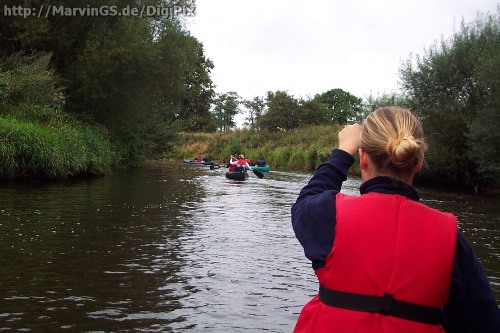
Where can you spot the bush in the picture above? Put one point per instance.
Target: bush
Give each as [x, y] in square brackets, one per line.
[315, 156]
[281, 157]
[29, 79]
[298, 161]
[32, 150]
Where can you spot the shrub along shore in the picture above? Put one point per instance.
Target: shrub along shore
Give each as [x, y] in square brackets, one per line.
[58, 148]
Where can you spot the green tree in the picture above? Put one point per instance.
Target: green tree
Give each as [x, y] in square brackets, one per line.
[124, 79]
[454, 88]
[483, 135]
[343, 105]
[386, 99]
[313, 112]
[255, 108]
[226, 107]
[282, 112]
[199, 90]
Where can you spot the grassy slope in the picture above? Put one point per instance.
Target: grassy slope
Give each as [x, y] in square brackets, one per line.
[302, 149]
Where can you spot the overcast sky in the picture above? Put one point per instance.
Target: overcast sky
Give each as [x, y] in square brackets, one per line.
[309, 47]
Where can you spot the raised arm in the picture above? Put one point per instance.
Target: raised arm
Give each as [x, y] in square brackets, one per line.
[313, 214]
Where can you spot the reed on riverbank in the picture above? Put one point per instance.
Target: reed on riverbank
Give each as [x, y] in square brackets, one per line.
[59, 149]
[302, 149]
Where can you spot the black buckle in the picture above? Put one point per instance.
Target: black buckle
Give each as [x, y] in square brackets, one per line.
[386, 304]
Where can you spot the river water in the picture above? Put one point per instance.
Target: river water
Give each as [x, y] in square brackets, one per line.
[174, 248]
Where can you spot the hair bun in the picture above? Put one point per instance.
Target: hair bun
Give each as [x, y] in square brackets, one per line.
[404, 150]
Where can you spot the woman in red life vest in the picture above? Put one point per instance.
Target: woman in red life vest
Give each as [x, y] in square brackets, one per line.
[243, 163]
[233, 162]
[384, 261]
[247, 160]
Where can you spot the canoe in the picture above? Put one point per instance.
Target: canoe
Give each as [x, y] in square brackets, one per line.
[261, 168]
[198, 163]
[236, 175]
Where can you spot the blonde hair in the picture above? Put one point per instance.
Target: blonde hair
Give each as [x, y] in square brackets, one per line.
[393, 138]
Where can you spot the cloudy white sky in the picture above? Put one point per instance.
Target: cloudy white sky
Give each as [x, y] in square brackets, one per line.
[309, 47]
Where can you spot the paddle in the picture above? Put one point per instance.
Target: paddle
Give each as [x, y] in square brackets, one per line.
[255, 172]
[258, 173]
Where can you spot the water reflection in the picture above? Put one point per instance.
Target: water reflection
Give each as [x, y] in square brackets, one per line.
[91, 254]
[479, 220]
[172, 248]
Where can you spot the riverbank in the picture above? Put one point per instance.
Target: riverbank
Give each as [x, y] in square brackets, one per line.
[299, 150]
[56, 148]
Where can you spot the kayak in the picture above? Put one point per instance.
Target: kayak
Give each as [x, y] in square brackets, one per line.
[261, 168]
[198, 163]
[237, 175]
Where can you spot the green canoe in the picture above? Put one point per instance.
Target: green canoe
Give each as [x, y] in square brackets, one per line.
[261, 168]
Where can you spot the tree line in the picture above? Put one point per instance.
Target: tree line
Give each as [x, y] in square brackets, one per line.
[279, 110]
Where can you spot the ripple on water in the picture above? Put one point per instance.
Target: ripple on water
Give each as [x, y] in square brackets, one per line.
[244, 259]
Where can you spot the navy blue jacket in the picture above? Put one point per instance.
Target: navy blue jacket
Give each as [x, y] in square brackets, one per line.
[471, 305]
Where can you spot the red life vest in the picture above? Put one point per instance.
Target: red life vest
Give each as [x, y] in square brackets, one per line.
[232, 166]
[243, 162]
[384, 245]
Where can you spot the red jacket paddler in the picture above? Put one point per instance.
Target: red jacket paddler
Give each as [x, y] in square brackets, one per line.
[389, 269]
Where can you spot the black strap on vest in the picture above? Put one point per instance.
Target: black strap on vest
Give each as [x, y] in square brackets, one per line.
[385, 305]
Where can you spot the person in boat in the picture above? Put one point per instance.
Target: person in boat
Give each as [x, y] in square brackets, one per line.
[233, 162]
[205, 159]
[246, 159]
[243, 163]
[384, 261]
[261, 162]
[197, 158]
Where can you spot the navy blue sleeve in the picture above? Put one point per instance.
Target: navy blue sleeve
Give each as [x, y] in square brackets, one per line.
[313, 214]
[471, 304]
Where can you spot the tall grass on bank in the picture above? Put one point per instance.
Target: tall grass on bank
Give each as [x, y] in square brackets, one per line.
[300, 150]
[37, 139]
[33, 150]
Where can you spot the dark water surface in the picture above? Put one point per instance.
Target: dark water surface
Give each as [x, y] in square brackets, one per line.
[173, 248]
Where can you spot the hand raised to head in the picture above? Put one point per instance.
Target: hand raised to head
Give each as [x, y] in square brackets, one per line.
[350, 138]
